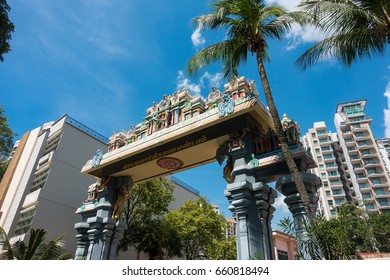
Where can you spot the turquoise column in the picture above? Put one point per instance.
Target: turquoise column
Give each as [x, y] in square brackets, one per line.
[251, 205]
[98, 234]
[308, 245]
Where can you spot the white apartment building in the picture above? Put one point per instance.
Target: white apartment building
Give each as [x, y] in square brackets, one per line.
[352, 165]
[43, 186]
[384, 148]
[325, 151]
[366, 167]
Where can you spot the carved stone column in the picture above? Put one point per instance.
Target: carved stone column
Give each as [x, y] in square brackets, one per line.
[241, 193]
[287, 187]
[265, 197]
[99, 232]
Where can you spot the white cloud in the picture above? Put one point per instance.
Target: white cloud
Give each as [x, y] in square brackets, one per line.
[183, 82]
[387, 112]
[206, 81]
[280, 205]
[197, 38]
[299, 35]
[213, 80]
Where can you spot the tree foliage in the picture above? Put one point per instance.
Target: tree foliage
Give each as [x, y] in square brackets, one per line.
[6, 28]
[199, 227]
[349, 232]
[145, 206]
[35, 249]
[380, 224]
[354, 29]
[6, 141]
[225, 249]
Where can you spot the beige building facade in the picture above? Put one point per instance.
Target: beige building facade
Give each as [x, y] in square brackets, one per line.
[353, 166]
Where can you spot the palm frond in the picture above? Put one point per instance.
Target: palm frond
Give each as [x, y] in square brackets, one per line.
[354, 29]
[52, 250]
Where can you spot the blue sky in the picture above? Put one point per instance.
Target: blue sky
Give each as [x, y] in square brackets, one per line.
[105, 62]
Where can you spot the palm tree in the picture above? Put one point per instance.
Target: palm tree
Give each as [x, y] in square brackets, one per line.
[35, 249]
[249, 25]
[354, 29]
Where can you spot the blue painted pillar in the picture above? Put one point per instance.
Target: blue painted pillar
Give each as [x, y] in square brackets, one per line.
[308, 246]
[99, 233]
[251, 204]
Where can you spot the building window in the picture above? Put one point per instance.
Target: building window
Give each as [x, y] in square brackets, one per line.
[370, 206]
[52, 144]
[330, 202]
[337, 192]
[376, 181]
[327, 193]
[383, 202]
[379, 191]
[366, 195]
[313, 134]
[362, 185]
[282, 255]
[338, 201]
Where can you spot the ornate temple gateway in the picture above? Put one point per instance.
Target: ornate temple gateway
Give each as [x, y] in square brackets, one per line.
[184, 131]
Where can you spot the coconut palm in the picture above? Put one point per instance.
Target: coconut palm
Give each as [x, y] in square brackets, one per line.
[249, 25]
[354, 29]
[35, 249]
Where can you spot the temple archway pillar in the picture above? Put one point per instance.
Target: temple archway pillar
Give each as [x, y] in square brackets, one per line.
[100, 230]
[307, 244]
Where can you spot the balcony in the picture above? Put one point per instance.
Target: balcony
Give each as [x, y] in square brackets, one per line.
[365, 146]
[329, 158]
[375, 174]
[358, 129]
[368, 198]
[322, 134]
[332, 167]
[350, 143]
[324, 143]
[378, 184]
[368, 155]
[326, 151]
[338, 194]
[362, 137]
[371, 164]
[382, 195]
[333, 176]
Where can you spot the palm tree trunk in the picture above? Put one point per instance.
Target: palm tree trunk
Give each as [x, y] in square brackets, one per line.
[281, 136]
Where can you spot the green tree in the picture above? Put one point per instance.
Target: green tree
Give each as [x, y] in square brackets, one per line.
[380, 224]
[145, 204]
[35, 249]
[6, 141]
[341, 237]
[160, 240]
[225, 249]
[354, 29]
[6, 28]
[249, 25]
[198, 226]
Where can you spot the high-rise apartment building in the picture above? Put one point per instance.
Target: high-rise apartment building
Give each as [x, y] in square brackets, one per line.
[43, 186]
[349, 161]
[366, 167]
[384, 149]
[325, 150]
